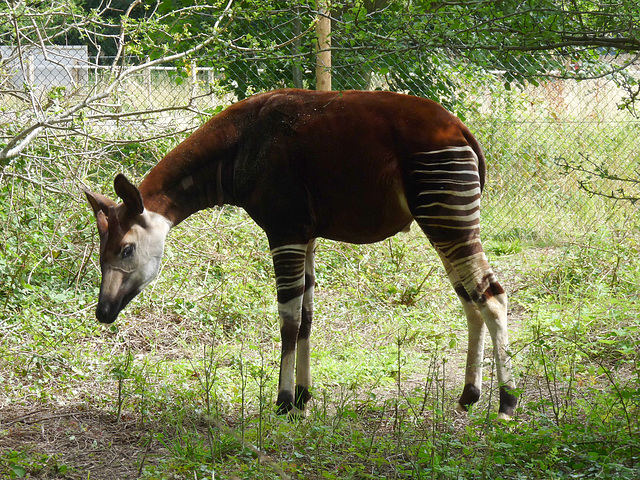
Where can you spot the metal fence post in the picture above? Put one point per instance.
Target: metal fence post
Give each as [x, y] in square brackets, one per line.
[194, 79]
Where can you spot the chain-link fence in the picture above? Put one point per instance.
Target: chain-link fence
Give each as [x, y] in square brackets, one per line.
[549, 147]
[545, 141]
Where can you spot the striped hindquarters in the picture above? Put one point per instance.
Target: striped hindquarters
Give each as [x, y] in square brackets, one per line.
[445, 193]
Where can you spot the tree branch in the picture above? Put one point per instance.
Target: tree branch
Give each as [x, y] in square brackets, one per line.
[21, 141]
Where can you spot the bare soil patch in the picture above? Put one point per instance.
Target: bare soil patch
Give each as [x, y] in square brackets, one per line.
[76, 442]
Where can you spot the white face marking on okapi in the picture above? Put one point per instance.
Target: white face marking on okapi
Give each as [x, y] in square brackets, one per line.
[349, 166]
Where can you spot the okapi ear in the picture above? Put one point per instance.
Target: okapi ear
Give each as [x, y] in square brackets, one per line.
[98, 202]
[129, 194]
[103, 223]
[100, 205]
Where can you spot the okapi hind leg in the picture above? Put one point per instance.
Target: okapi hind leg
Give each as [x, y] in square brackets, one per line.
[485, 303]
[476, 337]
[444, 188]
[493, 306]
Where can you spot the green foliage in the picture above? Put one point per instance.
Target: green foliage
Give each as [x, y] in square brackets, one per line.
[189, 372]
[194, 360]
[383, 367]
[24, 464]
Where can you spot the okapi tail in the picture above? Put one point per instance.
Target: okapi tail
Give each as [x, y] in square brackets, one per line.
[482, 166]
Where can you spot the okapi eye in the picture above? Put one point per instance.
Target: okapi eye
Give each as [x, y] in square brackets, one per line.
[127, 251]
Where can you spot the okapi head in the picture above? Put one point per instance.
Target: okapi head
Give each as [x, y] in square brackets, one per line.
[131, 246]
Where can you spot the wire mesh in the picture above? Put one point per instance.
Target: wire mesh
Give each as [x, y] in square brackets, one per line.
[536, 135]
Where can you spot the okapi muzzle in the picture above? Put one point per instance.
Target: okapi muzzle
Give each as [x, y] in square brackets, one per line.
[117, 289]
[351, 166]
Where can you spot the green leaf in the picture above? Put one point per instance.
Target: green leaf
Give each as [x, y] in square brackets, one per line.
[19, 471]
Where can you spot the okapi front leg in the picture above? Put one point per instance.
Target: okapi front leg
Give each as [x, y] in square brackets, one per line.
[303, 355]
[289, 266]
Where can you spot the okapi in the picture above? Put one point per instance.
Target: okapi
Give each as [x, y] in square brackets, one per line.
[350, 166]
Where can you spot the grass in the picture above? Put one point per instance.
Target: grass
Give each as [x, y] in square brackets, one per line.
[183, 384]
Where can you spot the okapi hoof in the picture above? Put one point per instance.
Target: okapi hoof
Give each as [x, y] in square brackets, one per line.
[291, 411]
[302, 397]
[503, 417]
[508, 402]
[284, 404]
[470, 395]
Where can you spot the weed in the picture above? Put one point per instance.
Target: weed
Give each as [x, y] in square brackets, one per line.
[189, 373]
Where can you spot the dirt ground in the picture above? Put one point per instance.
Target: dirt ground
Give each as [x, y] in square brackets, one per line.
[76, 442]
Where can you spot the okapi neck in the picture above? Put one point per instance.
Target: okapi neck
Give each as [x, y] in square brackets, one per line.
[177, 196]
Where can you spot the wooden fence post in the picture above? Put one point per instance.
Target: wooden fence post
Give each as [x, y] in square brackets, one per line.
[323, 53]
